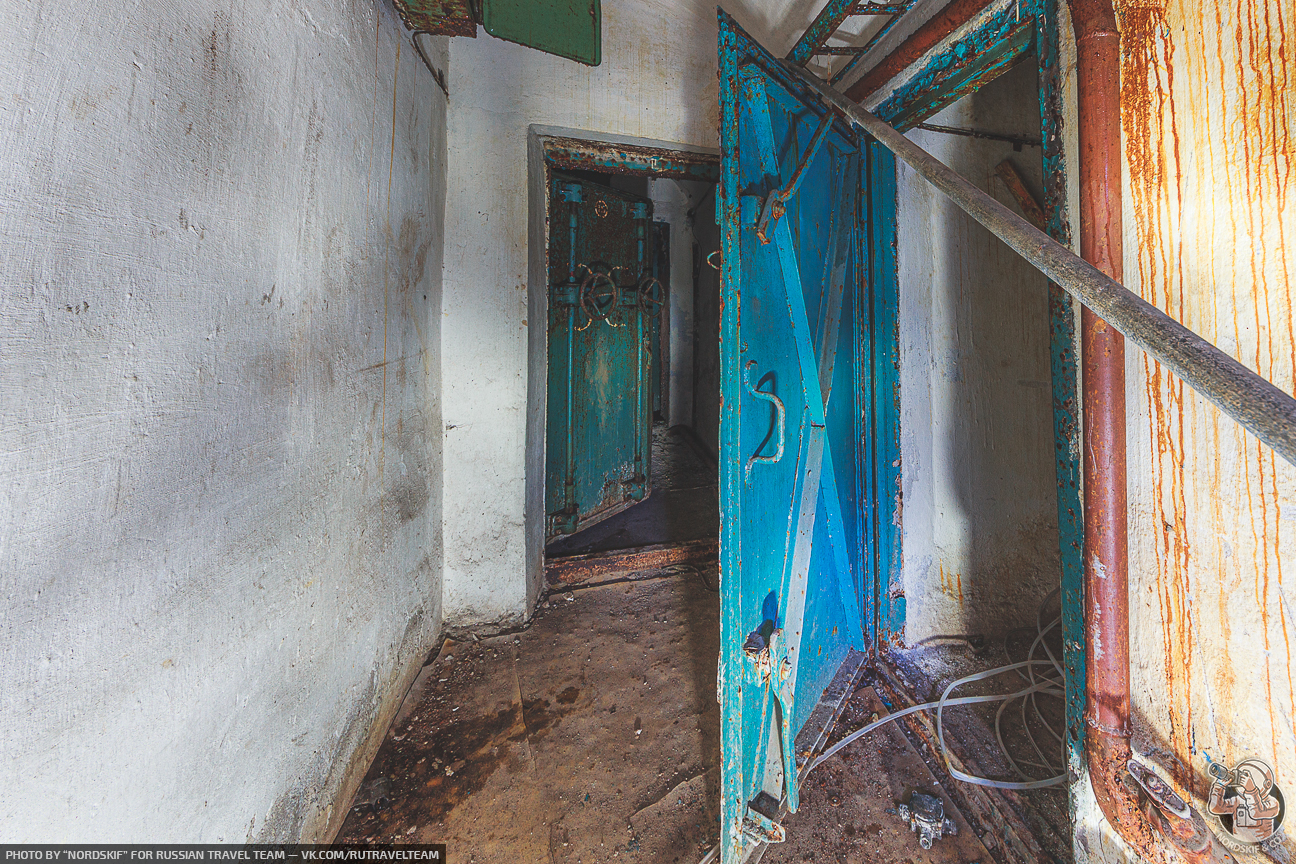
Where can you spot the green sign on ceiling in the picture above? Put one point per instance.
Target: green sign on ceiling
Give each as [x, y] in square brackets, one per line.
[568, 28]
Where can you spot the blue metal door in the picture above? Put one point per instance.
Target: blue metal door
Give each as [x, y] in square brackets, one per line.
[602, 301]
[796, 510]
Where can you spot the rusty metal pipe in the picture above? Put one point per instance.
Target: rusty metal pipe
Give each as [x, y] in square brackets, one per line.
[1159, 813]
[1102, 359]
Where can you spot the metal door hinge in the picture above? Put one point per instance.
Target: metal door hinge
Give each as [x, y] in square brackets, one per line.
[761, 828]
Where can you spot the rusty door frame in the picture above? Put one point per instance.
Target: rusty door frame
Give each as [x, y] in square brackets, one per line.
[968, 56]
[550, 148]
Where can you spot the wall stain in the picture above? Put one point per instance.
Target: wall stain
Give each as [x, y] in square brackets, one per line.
[1207, 108]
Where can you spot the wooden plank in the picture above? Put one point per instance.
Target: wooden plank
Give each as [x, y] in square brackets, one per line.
[1007, 172]
[622, 563]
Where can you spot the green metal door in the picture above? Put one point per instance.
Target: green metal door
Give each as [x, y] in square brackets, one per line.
[602, 300]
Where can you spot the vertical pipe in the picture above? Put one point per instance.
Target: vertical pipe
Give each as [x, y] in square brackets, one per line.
[1106, 529]
[1102, 358]
[570, 486]
[1103, 361]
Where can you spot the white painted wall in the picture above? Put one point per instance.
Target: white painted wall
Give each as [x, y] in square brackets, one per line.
[220, 449]
[980, 505]
[657, 82]
[673, 203]
[706, 328]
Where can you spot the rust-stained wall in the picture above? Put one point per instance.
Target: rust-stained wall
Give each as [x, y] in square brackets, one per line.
[1208, 109]
[1206, 102]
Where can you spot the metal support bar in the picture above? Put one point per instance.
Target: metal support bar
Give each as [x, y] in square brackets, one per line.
[824, 25]
[775, 204]
[1260, 407]
[1018, 141]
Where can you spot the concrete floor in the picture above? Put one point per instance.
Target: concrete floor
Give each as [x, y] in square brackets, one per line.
[593, 736]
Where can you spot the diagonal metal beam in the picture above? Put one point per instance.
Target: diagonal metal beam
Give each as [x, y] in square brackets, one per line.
[810, 483]
[1259, 406]
[834, 280]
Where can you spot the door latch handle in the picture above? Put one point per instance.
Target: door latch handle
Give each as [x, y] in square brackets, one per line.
[780, 415]
[776, 202]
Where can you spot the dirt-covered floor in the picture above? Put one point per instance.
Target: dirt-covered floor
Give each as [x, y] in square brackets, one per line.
[593, 736]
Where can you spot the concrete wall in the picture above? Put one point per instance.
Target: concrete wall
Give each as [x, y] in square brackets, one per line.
[1208, 108]
[220, 455]
[657, 83]
[675, 202]
[980, 507]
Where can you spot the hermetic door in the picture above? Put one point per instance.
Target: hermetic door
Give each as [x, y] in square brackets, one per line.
[794, 497]
[602, 302]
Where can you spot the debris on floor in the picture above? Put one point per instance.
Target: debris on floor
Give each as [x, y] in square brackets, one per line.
[593, 735]
[850, 805]
[925, 816]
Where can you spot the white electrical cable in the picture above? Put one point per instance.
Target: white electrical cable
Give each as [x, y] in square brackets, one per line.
[1030, 675]
[1039, 685]
[1043, 643]
[1044, 685]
